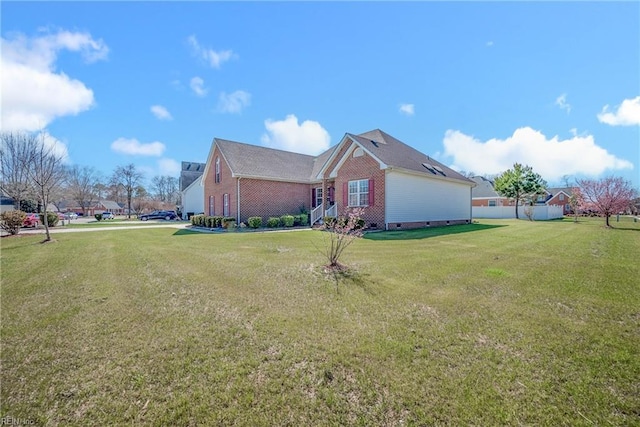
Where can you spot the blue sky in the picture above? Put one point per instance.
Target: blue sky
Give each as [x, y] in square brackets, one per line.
[477, 86]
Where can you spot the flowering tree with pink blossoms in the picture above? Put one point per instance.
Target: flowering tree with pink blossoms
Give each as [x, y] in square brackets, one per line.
[607, 196]
[342, 232]
[576, 201]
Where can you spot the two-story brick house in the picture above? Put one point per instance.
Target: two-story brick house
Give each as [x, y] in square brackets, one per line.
[398, 186]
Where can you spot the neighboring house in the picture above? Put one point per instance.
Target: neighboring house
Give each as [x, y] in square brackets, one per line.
[107, 206]
[191, 188]
[560, 197]
[487, 203]
[6, 203]
[193, 199]
[483, 194]
[398, 186]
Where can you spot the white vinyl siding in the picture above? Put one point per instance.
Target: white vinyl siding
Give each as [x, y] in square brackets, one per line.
[193, 198]
[413, 198]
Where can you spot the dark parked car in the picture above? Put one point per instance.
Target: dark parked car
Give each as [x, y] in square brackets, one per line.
[168, 215]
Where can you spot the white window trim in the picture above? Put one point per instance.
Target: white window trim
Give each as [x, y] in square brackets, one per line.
[359, 193]
[319, 199]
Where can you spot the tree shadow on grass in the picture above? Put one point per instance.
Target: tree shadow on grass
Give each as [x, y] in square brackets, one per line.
[185, 232]
[425, 233]
[345, 276]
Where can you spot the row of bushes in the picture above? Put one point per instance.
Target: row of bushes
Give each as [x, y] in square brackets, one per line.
[213, 221]
[253, 222]
[282, 221]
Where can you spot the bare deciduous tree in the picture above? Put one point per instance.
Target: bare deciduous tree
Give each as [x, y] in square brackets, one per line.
[15, 151]
[128, 178]
[165, 189]
[46, 171]
[81, 185]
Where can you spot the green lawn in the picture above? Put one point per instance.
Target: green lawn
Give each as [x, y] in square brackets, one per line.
[496, 323]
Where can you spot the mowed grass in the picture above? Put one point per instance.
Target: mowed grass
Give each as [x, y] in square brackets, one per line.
[495, 323]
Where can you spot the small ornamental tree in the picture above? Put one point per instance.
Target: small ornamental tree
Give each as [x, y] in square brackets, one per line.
[11, 221]
[342, 232]
[520, 184]
[576, 202]
[607, 196]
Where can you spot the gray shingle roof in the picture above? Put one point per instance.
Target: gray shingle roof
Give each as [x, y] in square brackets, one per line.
[189, 173]
[269, 163]
[483, 188]
[396, 153]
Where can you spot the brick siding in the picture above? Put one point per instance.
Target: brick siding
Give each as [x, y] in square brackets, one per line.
[272, 198]
[227, 184]
[356, 168]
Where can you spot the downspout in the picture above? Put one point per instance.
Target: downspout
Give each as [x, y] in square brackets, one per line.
[238, 202]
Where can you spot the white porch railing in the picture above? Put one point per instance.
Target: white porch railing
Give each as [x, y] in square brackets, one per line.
[316, 214]
[332, 211]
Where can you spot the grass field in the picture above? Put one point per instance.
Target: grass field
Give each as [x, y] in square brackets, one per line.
[494, 323]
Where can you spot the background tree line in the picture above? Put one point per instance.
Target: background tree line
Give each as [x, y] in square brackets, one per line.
[35, 175]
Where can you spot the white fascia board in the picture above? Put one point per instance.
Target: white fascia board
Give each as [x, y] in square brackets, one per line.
[354, 144]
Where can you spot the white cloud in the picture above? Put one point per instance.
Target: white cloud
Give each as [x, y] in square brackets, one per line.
[212, 57]
[550, 157]
[33, 92]
[168, 166]
[561, 102]
[197, 86]
[309, 137]
[161, 113]
[58, 147]
[628, 113]
[133, 147]
[408, 109]
[233, 102]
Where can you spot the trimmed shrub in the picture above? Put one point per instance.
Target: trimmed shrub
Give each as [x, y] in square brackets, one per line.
[217, 221]
[11, 221]
[303, 219]
[52, 219]
[228, 222]
[255, 222]
[273, 222]
[98, 216]
[197, 220]
[287, 220]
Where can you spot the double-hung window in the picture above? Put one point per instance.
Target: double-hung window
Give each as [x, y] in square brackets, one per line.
[318, 196]
[359, 193]
[225, 206]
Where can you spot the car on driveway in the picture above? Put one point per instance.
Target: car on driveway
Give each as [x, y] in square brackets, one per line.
[108, 215]
[31, 220]
[71, 215]
[167, 215]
